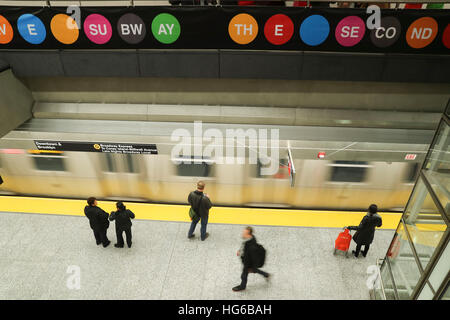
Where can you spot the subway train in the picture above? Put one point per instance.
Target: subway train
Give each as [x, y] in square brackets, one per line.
[335, 168]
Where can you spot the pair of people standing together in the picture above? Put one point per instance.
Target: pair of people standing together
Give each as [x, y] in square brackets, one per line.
[99, 222]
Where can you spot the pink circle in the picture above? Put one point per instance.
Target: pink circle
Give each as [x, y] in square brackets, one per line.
[350, 31]
[97, 28]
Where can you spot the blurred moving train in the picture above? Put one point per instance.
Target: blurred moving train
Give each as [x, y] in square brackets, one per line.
[360, 166]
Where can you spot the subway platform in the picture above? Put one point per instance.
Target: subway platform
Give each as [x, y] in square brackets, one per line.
[40, 251]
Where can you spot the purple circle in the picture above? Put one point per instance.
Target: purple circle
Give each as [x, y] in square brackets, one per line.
[350, 31]
[97, 28]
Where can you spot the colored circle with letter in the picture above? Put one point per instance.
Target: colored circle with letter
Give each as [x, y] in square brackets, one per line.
[131, 28]
[421, 32]
[166, 28]
[387, 34]
[314, 30]
[31, 28]
[64, 29]
[97, 28]
[279, 29]
[243, 28]
[6, 31]
[350, 31]
[446, 37]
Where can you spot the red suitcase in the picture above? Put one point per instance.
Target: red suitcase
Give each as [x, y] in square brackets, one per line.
[342, 242]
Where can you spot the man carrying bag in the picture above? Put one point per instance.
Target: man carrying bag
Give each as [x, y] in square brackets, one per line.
[199, 211]
[253, 256]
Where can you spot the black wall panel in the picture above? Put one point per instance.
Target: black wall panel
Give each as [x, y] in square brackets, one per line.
[180, 64]
[260, 64]
[100, 63]
[3, 64]
[342, 66]
[230, 64]
[409, 68]
[34, 63]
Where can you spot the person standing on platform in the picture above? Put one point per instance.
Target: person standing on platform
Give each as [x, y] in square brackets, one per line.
[201, 204]
[98, 220]
[123, 218]
[366, 230]
[252, 255]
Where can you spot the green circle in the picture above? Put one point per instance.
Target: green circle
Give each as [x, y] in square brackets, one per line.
[166, 28]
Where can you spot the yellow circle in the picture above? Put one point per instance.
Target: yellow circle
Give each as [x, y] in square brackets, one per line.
[64, 28]
[97, 146]
[243, 28]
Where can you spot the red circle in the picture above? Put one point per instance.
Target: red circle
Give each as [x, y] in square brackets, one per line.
[278, 29]
[446, 37]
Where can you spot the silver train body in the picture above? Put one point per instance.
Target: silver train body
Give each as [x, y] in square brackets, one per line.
[360, 166]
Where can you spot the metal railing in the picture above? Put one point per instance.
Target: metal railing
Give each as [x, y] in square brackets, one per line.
[383, 292]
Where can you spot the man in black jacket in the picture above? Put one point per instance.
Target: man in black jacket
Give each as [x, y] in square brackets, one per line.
[200, 202]
[366, 230]
[247, 253]
[123, 218]
[98, 220]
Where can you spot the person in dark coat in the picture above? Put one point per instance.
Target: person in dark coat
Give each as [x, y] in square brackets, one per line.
[123, 218]
[247, 253]
[98, 220]
[200, 200]
[366, 230]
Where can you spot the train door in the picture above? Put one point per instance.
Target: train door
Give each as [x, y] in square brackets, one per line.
[123, 175]
[270, 190]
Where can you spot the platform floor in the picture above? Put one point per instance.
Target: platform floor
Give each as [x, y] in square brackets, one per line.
[37, 250]
[225, 215]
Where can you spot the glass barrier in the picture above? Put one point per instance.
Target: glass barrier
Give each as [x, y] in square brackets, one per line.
[437, 166]
[388, 286]
[446, 295]
[424, 223]
[405, 271]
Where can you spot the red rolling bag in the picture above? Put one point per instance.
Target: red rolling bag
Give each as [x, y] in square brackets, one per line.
[342, 242]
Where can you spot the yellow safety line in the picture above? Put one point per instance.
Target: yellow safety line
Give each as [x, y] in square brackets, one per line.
[223, 215]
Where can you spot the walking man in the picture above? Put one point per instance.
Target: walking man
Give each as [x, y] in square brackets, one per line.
[98, 220]
[252, 255]
[201, 204]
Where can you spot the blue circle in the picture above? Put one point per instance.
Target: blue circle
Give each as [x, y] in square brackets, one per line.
[31, 28]
[314, 30]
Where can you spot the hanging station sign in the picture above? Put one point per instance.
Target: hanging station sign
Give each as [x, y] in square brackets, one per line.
[105, 147]
[208, 27]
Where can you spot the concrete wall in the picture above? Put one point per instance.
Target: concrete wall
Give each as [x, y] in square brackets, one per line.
[409, 97]
[16, 102]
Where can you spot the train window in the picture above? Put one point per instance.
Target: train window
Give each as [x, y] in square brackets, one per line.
[197, 167]
[283, 170]
[53, 163]
[411, 172]
[349, 171]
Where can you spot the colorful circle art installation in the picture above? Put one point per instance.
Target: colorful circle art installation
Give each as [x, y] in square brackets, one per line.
[277, 30]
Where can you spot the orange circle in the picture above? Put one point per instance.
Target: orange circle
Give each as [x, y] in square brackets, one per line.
[64, 28]
[243, 28]
[6, 31]
[421, 32]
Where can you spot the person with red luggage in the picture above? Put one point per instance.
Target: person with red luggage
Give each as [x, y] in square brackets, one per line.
[366, 230]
